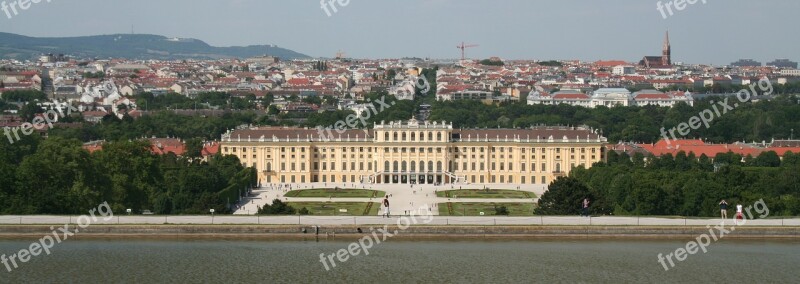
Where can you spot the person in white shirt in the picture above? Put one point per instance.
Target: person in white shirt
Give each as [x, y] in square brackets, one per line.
[739, 215]
[386, 207]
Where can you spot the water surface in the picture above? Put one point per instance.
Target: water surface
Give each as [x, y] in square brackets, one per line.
[398, 261]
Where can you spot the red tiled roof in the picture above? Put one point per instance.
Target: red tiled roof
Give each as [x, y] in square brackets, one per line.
[652, 97]
[571, 96]
[698, 147]
[299, 81]
[161, 146]
[610, 63]
[210, 149]
[93, 148]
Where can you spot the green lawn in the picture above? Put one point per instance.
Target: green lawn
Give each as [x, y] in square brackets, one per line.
[333, 208]
[340, 193]
[474, 209]
[480, 193]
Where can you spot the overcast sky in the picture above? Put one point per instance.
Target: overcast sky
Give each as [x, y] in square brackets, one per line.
[717, 32]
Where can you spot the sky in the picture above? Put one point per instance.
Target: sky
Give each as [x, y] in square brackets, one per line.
[715, 32]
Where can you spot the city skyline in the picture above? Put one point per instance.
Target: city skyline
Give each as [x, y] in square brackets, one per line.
[605, 30]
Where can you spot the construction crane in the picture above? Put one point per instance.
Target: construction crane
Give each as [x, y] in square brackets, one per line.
[464, 47]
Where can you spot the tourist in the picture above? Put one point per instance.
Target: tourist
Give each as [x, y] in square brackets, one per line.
[739, 215]
[723, 207]
[585, 207]
[386, 207]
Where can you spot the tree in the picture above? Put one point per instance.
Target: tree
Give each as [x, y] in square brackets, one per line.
[390, 74]
[23, 96]
[314, 100]
[330, 100]
[791, 159]
[29, 111]
[73, 181]
[303, 211]
[551, 63]
[273, 110]
[768, 159]
[194, 148]
[501, 211]
[564, 197]
[490, 62]
[278, 207]
[266, 100]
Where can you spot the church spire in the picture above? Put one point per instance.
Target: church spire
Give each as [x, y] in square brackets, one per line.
[666, 56]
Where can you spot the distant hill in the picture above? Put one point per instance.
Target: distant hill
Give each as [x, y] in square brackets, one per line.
[131, 46]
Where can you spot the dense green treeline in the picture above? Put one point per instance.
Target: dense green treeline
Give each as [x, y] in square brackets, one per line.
[718, 88]
[758, 121]
[57, 176]
[220, 100]
[161, 124]
[681, 186]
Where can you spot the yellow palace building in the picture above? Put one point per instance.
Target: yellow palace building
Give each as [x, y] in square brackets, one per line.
[405, 152]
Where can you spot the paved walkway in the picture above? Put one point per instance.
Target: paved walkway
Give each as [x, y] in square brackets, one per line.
[403, 196]
[375, 220]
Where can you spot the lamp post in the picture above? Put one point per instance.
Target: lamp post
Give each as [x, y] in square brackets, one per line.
[212, 216]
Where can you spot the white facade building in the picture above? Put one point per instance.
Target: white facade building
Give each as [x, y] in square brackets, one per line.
[610, 97]
[622, 70]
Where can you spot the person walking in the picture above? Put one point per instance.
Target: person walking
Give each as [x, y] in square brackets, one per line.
[386, 207]
[723, 207]
[585, 211]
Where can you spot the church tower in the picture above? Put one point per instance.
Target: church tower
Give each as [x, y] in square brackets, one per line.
[666, 55]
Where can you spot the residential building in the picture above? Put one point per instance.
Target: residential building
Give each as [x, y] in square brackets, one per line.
[790, 72]
[569, 97]
[658, 98]
[622, 70]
